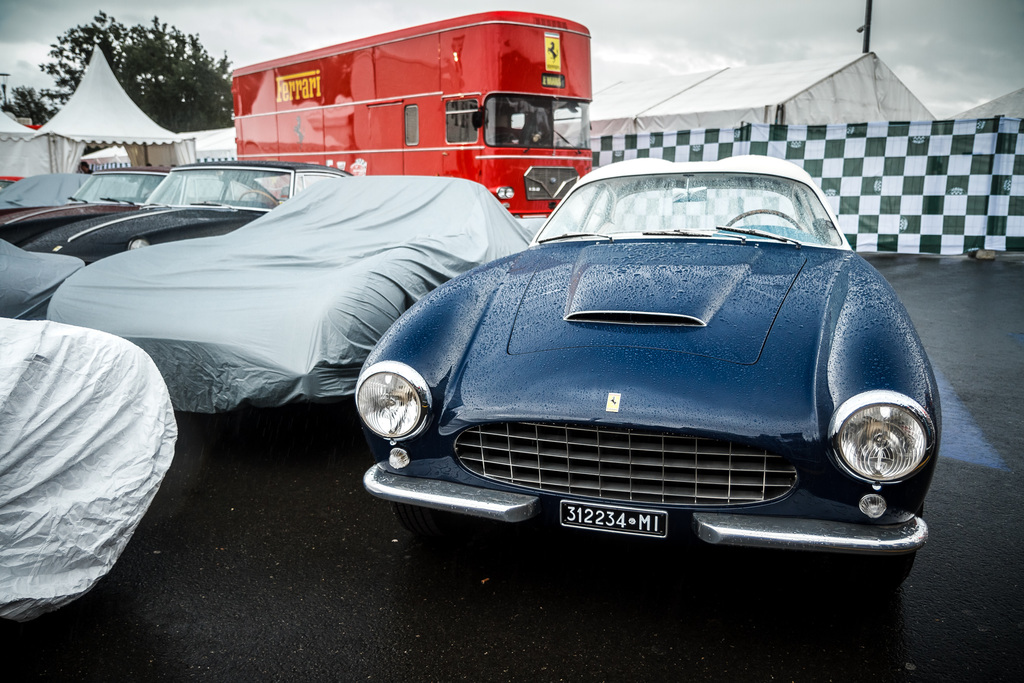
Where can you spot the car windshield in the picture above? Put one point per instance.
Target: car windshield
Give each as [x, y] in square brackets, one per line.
[536, 122]
[246, 188]
[694, 204]
[118, 187]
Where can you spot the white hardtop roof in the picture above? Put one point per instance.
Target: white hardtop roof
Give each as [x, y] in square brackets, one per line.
[749, 163]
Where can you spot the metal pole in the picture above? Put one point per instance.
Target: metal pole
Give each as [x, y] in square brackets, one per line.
[867, 28]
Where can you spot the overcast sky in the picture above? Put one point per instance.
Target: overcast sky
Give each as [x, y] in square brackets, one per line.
[952, 54]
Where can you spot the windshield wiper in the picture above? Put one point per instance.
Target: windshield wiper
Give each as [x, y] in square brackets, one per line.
[760, 233]
[575, 234]
[117, 201]
[213, 204]
[682, 232]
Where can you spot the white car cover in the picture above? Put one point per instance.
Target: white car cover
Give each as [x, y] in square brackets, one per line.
[87, 435]
[288, 307]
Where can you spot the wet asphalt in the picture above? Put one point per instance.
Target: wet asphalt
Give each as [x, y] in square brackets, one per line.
[262, 558]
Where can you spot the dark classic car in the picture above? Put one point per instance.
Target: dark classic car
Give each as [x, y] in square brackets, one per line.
[195, 200]
[104, 192]
[685, 351]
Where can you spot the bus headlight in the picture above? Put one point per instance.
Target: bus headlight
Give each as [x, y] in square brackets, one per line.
[393, 400]
[881, 436]
[505, 192]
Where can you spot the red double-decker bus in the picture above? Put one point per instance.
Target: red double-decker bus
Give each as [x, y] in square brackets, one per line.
[501, 98]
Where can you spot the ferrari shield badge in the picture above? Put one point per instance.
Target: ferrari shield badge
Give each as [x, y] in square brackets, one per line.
[613, 403]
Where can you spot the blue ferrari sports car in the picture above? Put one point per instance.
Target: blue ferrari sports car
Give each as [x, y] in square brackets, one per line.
[684, 351]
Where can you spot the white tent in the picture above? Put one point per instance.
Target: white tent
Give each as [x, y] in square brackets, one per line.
[1010, 105]
[100, 112]
[215, 145]
[21, 154]
[211, 145]
[849, 90]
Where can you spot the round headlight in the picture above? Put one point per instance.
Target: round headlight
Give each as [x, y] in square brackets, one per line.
[392, 400]
[138, 243]
[881, 435]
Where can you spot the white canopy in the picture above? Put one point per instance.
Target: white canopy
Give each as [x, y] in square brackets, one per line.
[1010, 105]
[845, 90]
[99, 113]
[21, 154]
[11, 128]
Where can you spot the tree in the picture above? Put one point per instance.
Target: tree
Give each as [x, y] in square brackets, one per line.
[167, 73]
[27, 103]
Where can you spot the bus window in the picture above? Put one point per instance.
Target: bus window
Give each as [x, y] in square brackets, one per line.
[532, 121]
[459, 119]
[412, 125]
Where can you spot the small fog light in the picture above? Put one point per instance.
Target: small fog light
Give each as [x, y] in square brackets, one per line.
[873, 505]
[138, 243]
[399, 458]
[505, 192]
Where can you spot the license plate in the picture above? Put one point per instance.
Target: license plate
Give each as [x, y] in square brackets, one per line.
[613, 518]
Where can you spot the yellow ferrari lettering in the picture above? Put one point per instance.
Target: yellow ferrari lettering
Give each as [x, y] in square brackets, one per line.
[301, 86]
[552, 52]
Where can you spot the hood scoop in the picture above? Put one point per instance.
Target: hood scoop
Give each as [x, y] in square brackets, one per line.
[716, 300]
[634, 318]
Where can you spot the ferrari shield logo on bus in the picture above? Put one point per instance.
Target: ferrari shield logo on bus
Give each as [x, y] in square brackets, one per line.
[552, 52]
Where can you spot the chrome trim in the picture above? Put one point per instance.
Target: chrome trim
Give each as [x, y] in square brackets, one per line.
[878, 397]
[622, 465]
[415, 379]
[809, 534]
[132, 215]
[641, 318]
[451, 497]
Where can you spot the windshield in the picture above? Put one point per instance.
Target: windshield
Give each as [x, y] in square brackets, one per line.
[694, 204]
[121, 187]
[536, 122]
[244, 188]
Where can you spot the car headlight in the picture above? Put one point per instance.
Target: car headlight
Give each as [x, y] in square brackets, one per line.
[138, 243]
[881, 436]
[393, 400]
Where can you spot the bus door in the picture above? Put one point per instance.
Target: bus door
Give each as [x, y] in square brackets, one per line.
[385, 139]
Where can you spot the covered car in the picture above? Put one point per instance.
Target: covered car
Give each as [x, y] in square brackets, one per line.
[47, 189]
[88, 434]
[286, 308]
[105, 192]
[195, 200]
[686, 351]
[27, 280]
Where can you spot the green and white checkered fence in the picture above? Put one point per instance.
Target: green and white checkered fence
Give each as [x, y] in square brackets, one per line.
[932, 187]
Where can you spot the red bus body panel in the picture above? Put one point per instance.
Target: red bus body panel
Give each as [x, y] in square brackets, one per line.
[346, 105]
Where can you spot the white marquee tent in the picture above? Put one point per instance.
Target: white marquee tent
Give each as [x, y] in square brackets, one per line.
[1011, 105]
[99, 113]
[848, 90]
[21, 154]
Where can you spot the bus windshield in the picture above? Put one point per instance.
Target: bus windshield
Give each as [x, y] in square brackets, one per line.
[536, 122]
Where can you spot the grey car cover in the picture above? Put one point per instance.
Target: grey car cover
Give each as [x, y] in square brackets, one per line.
[86, 435]
[28, 280]
[288, 307]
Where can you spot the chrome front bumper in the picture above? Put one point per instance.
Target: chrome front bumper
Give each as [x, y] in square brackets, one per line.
[444, 495]
[809, 534]
[715, 528]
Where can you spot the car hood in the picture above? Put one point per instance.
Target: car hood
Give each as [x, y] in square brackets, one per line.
[714, 300]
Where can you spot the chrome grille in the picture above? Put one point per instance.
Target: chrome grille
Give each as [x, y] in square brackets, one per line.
[624, 464]
[549, 182]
